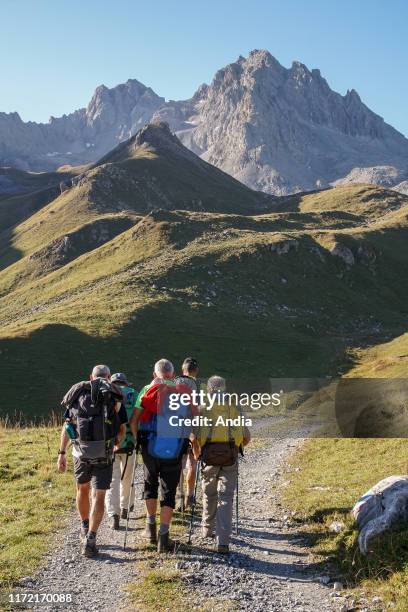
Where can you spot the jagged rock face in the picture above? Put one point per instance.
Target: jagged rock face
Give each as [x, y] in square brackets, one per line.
[402, 187]
[275, 129]
[282, 130]
[112, 116]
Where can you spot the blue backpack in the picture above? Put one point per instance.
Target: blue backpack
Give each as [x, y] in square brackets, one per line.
[168, 439]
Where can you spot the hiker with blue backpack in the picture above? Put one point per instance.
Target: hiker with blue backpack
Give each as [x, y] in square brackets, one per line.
[162, 446]
[121, 495]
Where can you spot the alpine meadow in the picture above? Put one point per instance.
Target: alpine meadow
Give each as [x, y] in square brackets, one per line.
[270, 286]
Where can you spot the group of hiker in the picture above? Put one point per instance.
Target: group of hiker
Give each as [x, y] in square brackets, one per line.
[108, 422]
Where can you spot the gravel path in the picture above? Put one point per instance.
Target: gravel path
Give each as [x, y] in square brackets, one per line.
[270, 568]
[95, 584]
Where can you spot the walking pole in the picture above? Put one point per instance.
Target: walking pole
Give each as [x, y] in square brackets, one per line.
[237, 501]
[181, 488]
[194, 501]
[132, 486]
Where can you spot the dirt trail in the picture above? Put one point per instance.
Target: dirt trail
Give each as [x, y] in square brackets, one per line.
[270, 567]
[95, 584]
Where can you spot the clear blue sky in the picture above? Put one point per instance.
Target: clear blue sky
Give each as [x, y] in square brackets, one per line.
[55, 52]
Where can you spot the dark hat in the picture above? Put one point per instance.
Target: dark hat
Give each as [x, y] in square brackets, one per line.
[119, 378]
[190, 363]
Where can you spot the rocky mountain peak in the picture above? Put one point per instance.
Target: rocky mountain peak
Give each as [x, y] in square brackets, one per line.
[276, 129]
[352, 95]
[156, 135]
[282, 129]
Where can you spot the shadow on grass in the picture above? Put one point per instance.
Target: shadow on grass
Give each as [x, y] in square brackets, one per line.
[320, 515]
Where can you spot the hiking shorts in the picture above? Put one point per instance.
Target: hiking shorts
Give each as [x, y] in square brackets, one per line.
[100, 476]
[164, 471]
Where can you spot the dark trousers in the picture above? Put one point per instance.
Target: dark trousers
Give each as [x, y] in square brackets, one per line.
[164, 471]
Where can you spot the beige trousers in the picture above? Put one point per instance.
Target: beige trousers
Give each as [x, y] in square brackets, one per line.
[117, 497]
[218, 484]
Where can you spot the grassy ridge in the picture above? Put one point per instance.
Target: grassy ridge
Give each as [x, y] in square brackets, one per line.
[387, 360]
[200, 277]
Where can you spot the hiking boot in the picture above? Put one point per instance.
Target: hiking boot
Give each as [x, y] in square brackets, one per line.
[223, 549]
[151, 533]
[114, 522]
[165, 544]
[89, 548]
[207, 532]
[124, 512]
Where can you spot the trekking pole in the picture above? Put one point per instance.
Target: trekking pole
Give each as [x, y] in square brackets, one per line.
[237, 502]
[132, 486]
[181, 488]
[197, 474]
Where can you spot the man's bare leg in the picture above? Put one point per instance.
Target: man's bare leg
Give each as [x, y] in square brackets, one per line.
[97, 510]
[166, 514]
[82, 500]
[95, 519]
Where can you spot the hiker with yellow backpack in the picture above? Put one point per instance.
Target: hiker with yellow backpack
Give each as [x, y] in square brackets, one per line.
[218, 445]
[121, 495]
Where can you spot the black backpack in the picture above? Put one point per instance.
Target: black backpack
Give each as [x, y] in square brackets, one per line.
[92, 411]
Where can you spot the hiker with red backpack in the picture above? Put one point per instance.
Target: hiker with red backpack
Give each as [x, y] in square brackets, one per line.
[121, 495]
[162, 446]
[217, 447]
[95, 419]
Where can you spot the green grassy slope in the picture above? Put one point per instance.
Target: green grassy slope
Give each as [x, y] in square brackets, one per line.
[23, 193]
[155, 252]
[247, 294]
[386, 360]
[152, 170]
[27, 473]
[325, 479]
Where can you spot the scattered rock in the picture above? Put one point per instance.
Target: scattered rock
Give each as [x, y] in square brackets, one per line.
[381, 508]
[282, 248]
[339, 250]
[336, 526]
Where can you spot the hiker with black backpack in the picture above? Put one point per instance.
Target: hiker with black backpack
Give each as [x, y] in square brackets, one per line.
[219, 446]
[189, 375]
[121, 495]
[95, 420]
[163, 446]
